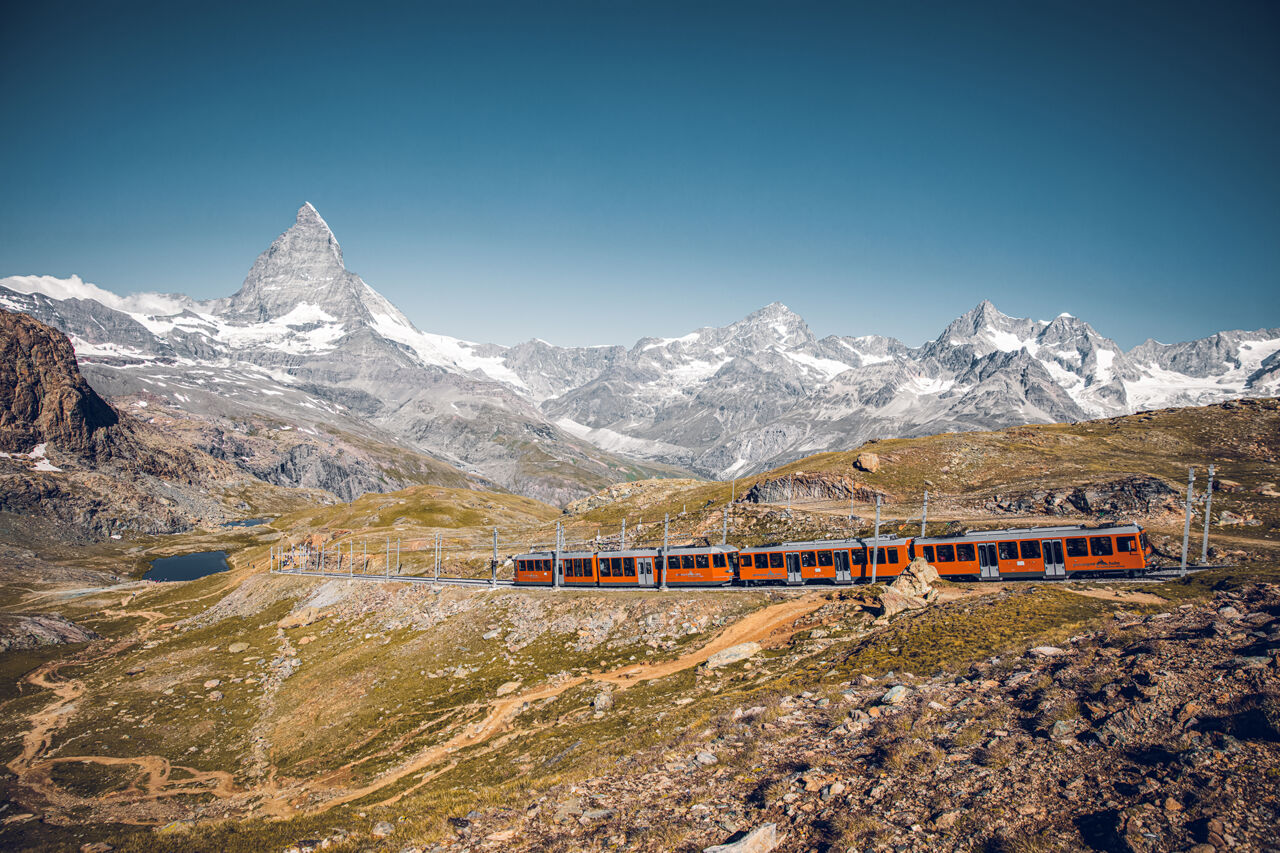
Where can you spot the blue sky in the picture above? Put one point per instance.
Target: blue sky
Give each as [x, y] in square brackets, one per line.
[595, 172]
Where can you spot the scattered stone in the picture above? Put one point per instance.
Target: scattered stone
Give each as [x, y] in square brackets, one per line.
[96, 847]
[237, 648]
[212, 683]
[733, 654]
[215, 696]
[491, 635]
[135, 670]
[508, 687]
[1047, 652]
[383, 828]
[706, 758]
[603, 701]
[762, 839]
[896, 695]
[598, 814]
[306, 640]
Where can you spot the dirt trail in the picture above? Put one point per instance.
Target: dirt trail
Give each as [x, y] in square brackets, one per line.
[769, 626]
[772, 625]
[35, 772]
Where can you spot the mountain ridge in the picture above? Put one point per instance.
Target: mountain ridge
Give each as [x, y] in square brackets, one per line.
[719, 401]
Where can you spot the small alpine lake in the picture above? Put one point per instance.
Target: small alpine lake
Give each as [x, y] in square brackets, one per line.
[187, 567]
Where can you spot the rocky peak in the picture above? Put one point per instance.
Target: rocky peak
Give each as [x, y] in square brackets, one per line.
[43, 397]
[774, 324]
[302, 269]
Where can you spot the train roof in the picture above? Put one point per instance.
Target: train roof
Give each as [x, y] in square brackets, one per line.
[630, 552]
[702, 549]
[885, 541]
[1033, 533]
[536, 555]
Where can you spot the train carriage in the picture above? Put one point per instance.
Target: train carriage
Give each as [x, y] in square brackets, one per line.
[637, 567]
[578, 568]
[1037, 552]
[714, 565]
[798, 562]
[535, 569]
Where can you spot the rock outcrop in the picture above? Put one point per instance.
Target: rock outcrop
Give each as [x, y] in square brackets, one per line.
[43, 397]
[42, 629]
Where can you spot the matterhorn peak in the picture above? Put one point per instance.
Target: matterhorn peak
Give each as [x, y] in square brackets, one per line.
[304, 267]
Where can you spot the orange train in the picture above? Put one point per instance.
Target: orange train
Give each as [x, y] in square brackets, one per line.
[1044, 552]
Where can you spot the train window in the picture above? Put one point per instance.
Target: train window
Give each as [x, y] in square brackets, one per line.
[717, 561]
[1100, 546]
[807, 559]
[946, 553]
[1077, 547]
[746, 561]
[928, 554]
[893, 554]
[1126, 544]
[1030, 549]
[733, 560]
[700, 561]
[673, 563]
[605, 570]
[775, 560]
[858, 557]
[965, 553]
[824, 558]
[686, 561]
[1008, 550]
[629, 566]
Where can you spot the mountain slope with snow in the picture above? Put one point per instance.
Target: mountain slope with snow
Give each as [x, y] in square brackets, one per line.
[308, 338]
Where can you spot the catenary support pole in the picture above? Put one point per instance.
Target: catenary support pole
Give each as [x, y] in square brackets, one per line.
[1186, 526]
[924, 513]
[386, 569]
[622, 540]
[875, 549]
[351, 566]
[724, 532]
[791, 482]
[1208, 514]
[662, 561]
[493, 573]
[397, 556]
[555, 559]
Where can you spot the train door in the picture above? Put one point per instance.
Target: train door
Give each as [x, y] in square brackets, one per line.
[988, 564]
[842, 567]
[793, 569]
[1054, 566]
[644, 569]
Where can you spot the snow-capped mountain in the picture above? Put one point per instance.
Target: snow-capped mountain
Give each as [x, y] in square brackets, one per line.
[308, 340]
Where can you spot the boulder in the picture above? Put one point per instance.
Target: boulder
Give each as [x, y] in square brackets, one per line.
[733, 654]
[762, 839]
[382, 829]
[508, 687]
[1047, 652]
[300, 618]
[236, 648]
[895, 695]
[868, 462]
[603, 701]
[911, 590]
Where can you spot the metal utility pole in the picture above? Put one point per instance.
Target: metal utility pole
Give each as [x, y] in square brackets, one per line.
[493, 574]
[791, 482]
[724, 533]
[875, 550]
[436, 549]
[364, 565]
[1208, 507]
[386, 569]
[555, 562]
[397, 556]
[622, 541]
[1186, 527]
[662, 560]
[924, 513]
